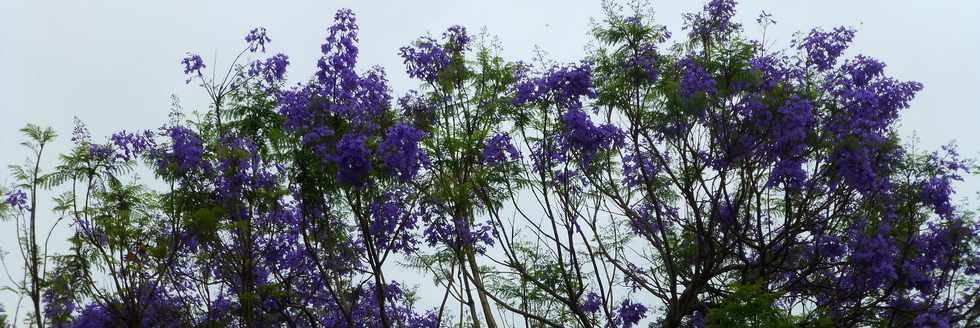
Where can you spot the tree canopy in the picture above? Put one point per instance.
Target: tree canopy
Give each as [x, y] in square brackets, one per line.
[704, 179]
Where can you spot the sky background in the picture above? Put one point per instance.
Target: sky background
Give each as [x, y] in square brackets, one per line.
[114, 64]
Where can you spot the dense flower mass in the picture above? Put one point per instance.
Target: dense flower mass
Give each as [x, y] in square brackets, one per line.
[563, 86]
[352, 160]
[823, 48]
[581, 135]
[185, 151]
[499, 149]
[400, 151]
[694, 79]
[707, 183]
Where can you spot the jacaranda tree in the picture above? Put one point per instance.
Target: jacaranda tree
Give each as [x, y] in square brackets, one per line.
[709, 180]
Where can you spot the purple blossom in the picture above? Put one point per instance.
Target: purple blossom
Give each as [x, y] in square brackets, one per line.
[94, 316]
[638, 168]
[823, 48]
[193, 64]
[796, 117]
[936, 192]
[400, 151]
[829, 246]
[562, 86]
[931, 319]
[456, 39]
[592, 303]
[715, 19]
[335, 69]
[454, 232]
[58, 307]
[645, 221]
[16, 199]
[352, 160]
[293, 106]
[579, 134]
[272, 70]
[102, 153]
[645, 61]
[868, 109]
[257, 39]
[186, 151]
[872, 260]
[131, 145]
[391, 224]
[426, 59]
[773, 69]
[497, 149]
[629, 313]
[694, 79]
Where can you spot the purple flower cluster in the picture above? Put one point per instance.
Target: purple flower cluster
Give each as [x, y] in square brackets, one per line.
[186, 151]
[335, 70]
[102, 153]
[456, 39]
[773, 70]
[427, 58]
[131, 145]
[353, 160]
[629, 313]
[936, 192]
[580, 135]
[714, 20]
[272, 70]
[592, 303]
[645, 61]
[638, 168]
[256, 39]
[454, 232]
[562, 86]
[58, 307]
[872, 259]
[823, 48]
[16, 199]
[391, 224]
[80, 133]
[937, 189]
[645, 221]
[694, 79]
[788, 141]
[869, 105]
[499, 149]
[400, 151]
[193, 64]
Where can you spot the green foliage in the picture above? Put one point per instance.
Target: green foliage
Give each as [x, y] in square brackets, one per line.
[750, 306]
[523, 289]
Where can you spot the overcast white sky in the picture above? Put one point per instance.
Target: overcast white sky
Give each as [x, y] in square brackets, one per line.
[115, 63]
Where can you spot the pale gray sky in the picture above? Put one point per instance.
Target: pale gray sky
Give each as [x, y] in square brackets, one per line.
[114, 63]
